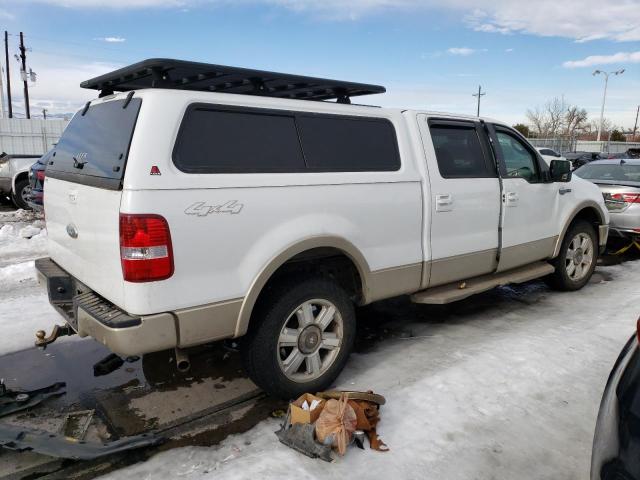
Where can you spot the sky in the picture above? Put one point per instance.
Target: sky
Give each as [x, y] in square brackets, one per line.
[429, 54]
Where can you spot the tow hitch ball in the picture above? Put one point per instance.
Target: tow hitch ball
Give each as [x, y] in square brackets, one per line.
[58, 331]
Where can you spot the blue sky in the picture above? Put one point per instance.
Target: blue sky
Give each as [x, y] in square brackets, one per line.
[427, 54]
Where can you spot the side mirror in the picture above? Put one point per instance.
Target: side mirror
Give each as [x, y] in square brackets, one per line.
[560, 171]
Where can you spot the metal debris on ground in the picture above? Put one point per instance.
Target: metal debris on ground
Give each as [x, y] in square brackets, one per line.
[76, 424]
[12, 401]
[316, 424]
[27, 439]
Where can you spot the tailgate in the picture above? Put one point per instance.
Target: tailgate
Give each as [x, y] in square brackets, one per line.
[83, 232]
[82, 193]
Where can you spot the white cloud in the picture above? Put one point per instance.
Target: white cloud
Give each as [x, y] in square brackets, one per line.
[508, 50]
[620, 58]
[462, 51]
[111, 39]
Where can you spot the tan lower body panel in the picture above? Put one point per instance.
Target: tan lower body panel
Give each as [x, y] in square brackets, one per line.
[512, 257]
[469, 265]
[391, 282]
[208, 323]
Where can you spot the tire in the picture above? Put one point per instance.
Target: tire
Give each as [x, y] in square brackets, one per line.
[23, 188]
[295, 345]
[577, 258]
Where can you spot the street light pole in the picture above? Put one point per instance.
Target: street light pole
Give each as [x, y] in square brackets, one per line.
[604, 96]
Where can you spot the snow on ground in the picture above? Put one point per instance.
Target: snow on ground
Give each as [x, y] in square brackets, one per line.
[24, 306]
[504, 385]
[507, 387]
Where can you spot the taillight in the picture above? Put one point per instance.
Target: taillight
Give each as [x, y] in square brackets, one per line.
[40, 175]
[145, 248]
[626, 197]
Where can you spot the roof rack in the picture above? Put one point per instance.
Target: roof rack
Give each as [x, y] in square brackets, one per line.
[207, 77]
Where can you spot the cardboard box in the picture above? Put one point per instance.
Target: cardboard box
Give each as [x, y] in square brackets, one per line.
[298, 415]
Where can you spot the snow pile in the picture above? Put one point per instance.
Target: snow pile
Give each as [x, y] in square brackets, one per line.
[24, 306]
[22, 237]
[505, 385]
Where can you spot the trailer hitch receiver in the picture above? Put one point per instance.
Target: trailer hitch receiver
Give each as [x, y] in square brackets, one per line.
[58, 331]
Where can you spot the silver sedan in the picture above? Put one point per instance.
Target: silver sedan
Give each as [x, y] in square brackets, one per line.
[619, 181]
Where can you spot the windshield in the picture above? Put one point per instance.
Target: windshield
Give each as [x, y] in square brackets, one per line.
[611, 172]
[93, 148]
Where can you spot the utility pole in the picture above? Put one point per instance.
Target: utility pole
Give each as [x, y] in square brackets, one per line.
[604, 95]
[6, 53]
[635, 126]
[479, 94]
[44, 113]
[23, 56]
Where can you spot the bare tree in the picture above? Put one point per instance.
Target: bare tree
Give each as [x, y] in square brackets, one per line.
[575, 120]
[556, 117]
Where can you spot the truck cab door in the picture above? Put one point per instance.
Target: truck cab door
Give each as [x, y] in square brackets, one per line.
[530, 203]
[462, 197]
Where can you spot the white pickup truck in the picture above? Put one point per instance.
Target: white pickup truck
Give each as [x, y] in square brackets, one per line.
[191, 203]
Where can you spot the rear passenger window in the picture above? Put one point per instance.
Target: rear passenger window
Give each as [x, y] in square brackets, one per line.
[458, 152]
[348, 144]
[214, 139]
[226, 141]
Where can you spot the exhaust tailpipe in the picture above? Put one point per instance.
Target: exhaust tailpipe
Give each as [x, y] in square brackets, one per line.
[183, 364]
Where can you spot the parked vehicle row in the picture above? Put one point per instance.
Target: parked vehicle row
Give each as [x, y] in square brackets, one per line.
[619, 181]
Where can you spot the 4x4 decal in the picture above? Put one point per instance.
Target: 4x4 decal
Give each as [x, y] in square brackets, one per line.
[201, 209]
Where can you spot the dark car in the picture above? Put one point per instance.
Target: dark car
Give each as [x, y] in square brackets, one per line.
[578, 159]
[616, 443]
[36, 181]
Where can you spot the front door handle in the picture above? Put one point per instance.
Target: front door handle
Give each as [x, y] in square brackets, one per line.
[511, 199]
[444, 202]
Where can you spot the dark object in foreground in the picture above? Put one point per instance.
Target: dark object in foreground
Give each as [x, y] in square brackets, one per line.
[109, 364]
[301, 437]
[26, 439]
[16, 401]
[616, 443]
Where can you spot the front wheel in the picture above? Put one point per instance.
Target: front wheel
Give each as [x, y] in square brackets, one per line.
[22, 194]
[577, 259]
[301, 336]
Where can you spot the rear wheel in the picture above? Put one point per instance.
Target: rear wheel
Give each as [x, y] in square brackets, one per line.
[577, 259]
[21, 194]
[302, 336]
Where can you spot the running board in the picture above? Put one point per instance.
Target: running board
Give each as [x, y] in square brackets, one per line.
[455, 291]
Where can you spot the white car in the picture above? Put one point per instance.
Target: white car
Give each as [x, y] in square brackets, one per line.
[14, 178]
[549, 154]
[204, 202]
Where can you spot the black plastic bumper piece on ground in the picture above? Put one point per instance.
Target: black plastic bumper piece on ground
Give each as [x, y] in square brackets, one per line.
[26, 439]
[17, 401]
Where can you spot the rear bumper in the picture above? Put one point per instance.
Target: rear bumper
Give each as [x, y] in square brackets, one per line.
[603, 236]
[5, 185]
[90, 315]
[93, 316]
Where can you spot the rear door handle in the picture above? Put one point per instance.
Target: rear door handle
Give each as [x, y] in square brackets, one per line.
[444, 202]
[511, 199]
[564, 191]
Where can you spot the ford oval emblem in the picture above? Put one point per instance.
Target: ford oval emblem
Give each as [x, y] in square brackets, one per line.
[72, 230]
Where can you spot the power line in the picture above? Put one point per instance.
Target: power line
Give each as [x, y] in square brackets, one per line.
[479, 95]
